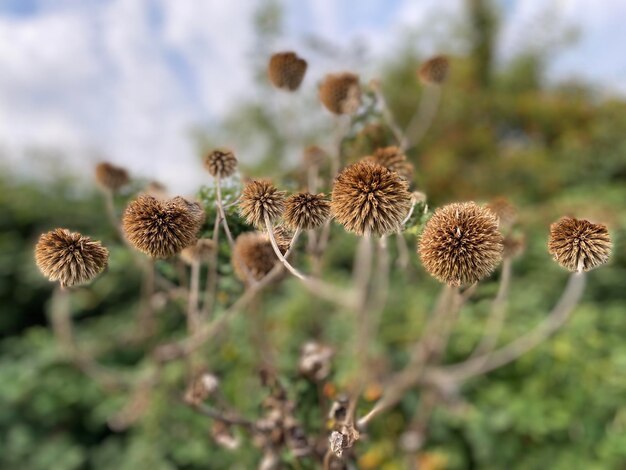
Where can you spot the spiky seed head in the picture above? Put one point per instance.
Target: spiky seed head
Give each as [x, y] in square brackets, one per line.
[220, 163]
[434, 71]
[201, 252]
[194, 208]
[579, 245]
[161, 229]
[70, 258]
[286, 70]
[111, 177]
[283, 236]
[505, 212]
[260, 198]
[306, 211]
[368, 198]
[341, 93]
[314, 156]
[394, 159]
[253, 256]
[461, 244]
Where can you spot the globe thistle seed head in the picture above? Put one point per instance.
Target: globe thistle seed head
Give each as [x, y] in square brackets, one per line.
[111, 177]
[434, 71]
[283, 236]
[194, 208]
[220, 163]
[306, 211]
[505, 212]
[461, 244]
[286, 70]
[368, 198]
[201, 252]
[161, 229]
[341, 93]
[260, 198]
[69, 257]
[579, 245]
[314, 156]
[394, 159]
[514, 246]
[253, 256]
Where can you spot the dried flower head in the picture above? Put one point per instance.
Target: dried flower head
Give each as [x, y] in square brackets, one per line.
[286, 70]
[161, 228]
[201, 252]
[505, 212]
[253, 256]
[194, 208]
[283, 236]
[315, 361]
[314, 156]
[201, 387]
[111, 177]
[461, 244]
[306, 211]
[341, 93]
[370, 198]
[579, 245]
[434, 71]
[514, 246]
[394, 159]
[70, 258]
[220, 163]
[260, 198]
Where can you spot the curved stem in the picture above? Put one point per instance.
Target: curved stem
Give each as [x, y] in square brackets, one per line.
[210, 288]
[192, 303]
[222, 214]
[423, 117]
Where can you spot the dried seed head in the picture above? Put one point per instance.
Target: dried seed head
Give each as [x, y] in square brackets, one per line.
[306, 211]
[253, 256]
[201, 252]
[314, 156]
[394, 159]
[194, 208]
[579, 245]
[201, 388]
[315, 361]
[286, 70]
[69, 258]
[283, 236]
[505, 212]
[161, 228]
[220, 163]
[461, 244]
[370, 198]
[434, 71]
[156, 190]
[514, 246]
[260, 198]
[341, 93]
[111, 177]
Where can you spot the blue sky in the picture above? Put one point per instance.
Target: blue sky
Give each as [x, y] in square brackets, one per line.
[126, 79]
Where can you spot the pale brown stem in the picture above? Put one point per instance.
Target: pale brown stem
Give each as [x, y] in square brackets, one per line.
[388, 116]
[194, 294]
[423, 117]
[146, 322]
[222, 214]
[403, 251]
[110, 209]
[210, 289]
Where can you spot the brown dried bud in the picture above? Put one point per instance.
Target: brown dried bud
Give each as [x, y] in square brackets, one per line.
[306, 211]
[434, 71]
[461, 244]
[579, 245]
[260, 198]
[70, 258]
[201, 252]
[161, 228]
[253, 256]
[343, 439]
[394, 159]
[315, 360]
[370, 198]
[111, 177]
[341, 93]
[220, 163]
[286, 70]
[505, 212]
[223, 436]
[201, 388]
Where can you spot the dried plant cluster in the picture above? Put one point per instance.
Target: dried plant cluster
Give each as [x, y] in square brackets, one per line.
[111, 177]
[253, 256]
[261, 199]
[434, 71]
[394, 159]
[579, 245]
[341, 93]
[286, 70]
[306, 211]
[221, 163]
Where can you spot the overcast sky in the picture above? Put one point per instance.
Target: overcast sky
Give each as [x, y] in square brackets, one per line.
[126, 79]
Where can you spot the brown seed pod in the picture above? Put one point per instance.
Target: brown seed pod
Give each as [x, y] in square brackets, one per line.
[505, 212]
[220, 163]
[70, 258]
[286, 70]
[161, 229]
[341, 93]
[370, 198]
[394, 159]
[260, 198]
[461, 244]
[434, 71]
[111, 177]
[579, 245]
[306, 211]
[194, 208]
[253, 256]
[201, 252]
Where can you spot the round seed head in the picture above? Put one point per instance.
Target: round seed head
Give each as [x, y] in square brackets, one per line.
[201, 252]
[368, 198]
[283, 237]
[579, 245]
[253, 256]
[393, 159]
[194, 208]
[306, 211]
[220, 163]
[286, 70]
[514, 246]
[461, 244]
[111, 177]
[505, 212]
[314, 156]
[434, 71]
[161, 229]
[260, 198]
[70, 258]
[341, 93]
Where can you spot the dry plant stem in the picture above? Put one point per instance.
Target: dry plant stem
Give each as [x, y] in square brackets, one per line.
[423, 117]
[110, 208]
[146, 324]
[222, 214]
[194, 294]
[210, 289]
[312, 175]
[403, 251]
[381, 282]
[388, 117]
[219, 416]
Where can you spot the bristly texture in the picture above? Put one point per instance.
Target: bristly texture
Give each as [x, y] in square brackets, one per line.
[260, 198]
[306, 211]
[70, 258]
[220, 163]
[461, 244]
[111, 177]
[394, 159]
[341, 93]
[434, 71]
[253, 256]
[286, 70]
[201, 252]
[370, 198]
[505, 212]
[578, 244]
[161, 229]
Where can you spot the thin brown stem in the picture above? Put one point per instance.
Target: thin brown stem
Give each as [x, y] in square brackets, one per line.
[194, 294]
[222, 213]
[423, 117]
[210, 288]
